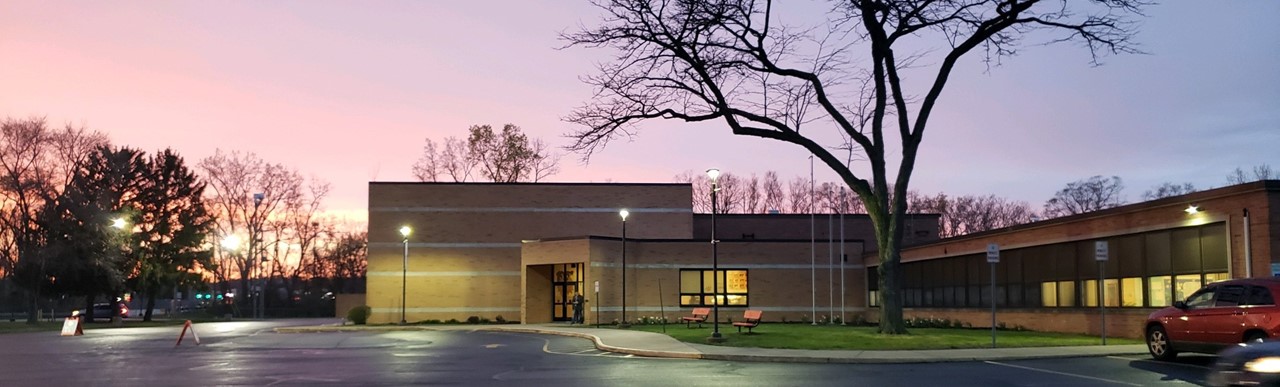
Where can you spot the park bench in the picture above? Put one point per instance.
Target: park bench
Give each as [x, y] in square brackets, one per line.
[750, 319]
[699, 315]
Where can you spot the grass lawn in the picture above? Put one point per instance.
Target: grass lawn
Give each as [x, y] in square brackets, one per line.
[805, 336]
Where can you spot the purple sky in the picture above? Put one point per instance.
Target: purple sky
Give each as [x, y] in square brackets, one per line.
[347, 92]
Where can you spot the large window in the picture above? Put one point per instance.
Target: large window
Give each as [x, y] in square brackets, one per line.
[696, 287]
[1149, 269]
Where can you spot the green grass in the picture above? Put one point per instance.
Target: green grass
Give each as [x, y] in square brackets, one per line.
[805, 336]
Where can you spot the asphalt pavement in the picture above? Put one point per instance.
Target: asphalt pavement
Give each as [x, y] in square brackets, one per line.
[651, 344]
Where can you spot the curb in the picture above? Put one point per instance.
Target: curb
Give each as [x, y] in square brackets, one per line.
[599, 344]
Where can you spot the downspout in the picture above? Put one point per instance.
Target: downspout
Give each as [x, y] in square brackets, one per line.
[1248, 250]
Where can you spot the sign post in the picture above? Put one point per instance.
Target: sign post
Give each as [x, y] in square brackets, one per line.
[597, 304]
[993, 257]
[1100, 253]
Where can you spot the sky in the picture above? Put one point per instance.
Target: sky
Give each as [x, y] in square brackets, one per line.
[348, 92]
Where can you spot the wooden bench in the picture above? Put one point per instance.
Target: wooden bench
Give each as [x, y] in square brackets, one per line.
[750, 319]
[699, 316]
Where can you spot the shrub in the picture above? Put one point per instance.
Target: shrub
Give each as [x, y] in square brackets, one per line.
[500, 319]
[473, 320]
[359, 315]
[452, 321]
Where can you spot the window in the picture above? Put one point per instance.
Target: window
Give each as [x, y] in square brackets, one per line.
[696, 287]
[1185, 284]
[1215, 277]
[1131, 292]
[1049, 294]
[1160, 288]
[1229, 296]
[1066, 293]
[1201, 299]
[1258, 296]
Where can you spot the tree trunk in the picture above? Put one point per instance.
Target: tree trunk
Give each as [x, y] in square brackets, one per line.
[151, 305]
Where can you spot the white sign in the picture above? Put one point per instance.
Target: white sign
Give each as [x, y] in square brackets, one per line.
[597, 286]
[1100, 251]
[993, 253]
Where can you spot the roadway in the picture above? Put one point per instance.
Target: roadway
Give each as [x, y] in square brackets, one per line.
[251, 353]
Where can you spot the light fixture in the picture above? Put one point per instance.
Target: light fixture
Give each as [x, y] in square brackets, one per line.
[714, 174]
[1192, 209]
[404, 271]
[118, 223]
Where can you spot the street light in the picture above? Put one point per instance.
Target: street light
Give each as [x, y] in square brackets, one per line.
[119, 223]
[404, 270]
[259, 300]
[624, 214]
[714, 174]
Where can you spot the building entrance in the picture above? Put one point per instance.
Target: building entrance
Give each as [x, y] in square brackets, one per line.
[566, 280]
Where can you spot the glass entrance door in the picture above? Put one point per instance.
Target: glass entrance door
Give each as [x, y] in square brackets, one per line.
[566, 281]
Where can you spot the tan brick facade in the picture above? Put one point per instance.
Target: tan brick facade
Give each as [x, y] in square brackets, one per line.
[1261, 200]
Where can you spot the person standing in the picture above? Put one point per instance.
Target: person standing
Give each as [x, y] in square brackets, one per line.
[577, 302]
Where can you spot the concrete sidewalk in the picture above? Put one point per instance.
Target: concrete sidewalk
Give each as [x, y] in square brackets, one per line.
[659, 345]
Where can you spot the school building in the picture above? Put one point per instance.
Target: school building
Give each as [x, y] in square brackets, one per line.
[521, 250]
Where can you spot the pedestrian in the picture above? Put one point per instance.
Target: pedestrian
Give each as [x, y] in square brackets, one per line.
[578, 302]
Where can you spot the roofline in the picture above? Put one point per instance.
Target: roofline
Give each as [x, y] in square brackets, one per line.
[669, 240]
[523, 183]
[1172, 201]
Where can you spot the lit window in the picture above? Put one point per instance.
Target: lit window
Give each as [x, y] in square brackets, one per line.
[1066, 293]
[696, 288]
[1131, 290]
[1185, 285]
[1215, 277]
[1049, 294]
[1160, 289]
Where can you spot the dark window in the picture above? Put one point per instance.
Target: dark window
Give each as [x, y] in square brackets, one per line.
[1259, 296]
[1230, 295]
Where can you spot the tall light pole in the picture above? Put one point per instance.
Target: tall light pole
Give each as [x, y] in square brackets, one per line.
[714, 174]
[230, 243]
[259, 303]
[404, 271]
[624, 214]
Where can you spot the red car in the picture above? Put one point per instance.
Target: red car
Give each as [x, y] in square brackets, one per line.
[1219, 315]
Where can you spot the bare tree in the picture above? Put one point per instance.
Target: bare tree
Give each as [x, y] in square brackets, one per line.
[506, 157]
[36, 161]
[429, 165]
[544, 163]
[1260, 172]
[734, 61]
[799, 191]
[751, 196]
[235, 181]
[774, 197]
[1168, 189]
[1092, 194]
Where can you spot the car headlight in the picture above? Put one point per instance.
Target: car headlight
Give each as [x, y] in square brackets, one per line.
[1267, 365]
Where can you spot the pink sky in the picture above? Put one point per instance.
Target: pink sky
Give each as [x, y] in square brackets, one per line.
[346, 92]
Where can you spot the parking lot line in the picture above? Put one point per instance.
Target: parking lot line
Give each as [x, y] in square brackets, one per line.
[1061, 373]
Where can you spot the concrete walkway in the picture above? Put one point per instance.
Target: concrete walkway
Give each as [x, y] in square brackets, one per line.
[659, 345]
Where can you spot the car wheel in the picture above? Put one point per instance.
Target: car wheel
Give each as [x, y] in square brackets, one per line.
[1255, 337]
[1158, 344]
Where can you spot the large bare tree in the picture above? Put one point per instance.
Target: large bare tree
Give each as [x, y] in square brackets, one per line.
[734, 61]
[36, 161]
[505, 157]
[1081, 196]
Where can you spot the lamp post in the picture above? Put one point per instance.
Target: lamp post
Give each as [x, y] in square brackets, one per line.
[259, 303]
[230, 243]
[404, 271]
[714, 174]
[119, 224]
[624, 214]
